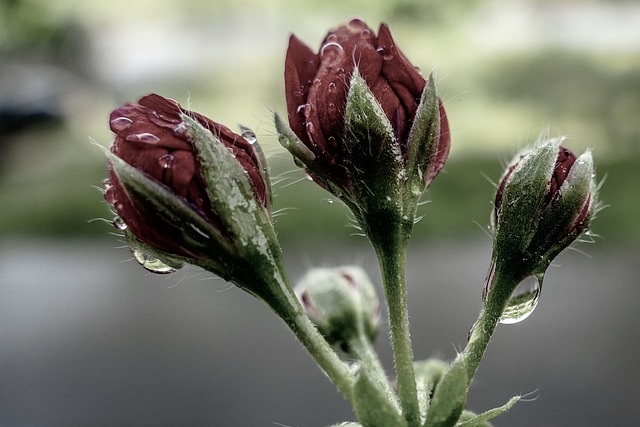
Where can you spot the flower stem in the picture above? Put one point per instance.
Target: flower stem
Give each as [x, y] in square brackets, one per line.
[392, 255]
[501, 286]
[294, 316]
[362, 349]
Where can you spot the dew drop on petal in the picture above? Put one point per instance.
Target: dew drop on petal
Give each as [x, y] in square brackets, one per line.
[106, 183]
[249, 136]
[332, 87]
[330, 201]
[166, 161]
[119, 223]
[145, 137]
[121, 123]
[300, 109]
[152, 263]
[523, 301]
[331, 53]
[181, 130]
[310, 128]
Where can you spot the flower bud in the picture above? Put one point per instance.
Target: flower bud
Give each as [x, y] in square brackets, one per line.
[544, 201]
[341, 302]
[187, 189]
[363, 122]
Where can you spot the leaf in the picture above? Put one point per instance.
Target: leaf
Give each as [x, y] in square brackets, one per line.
[449, 397]
[481, 420]
[371, 405]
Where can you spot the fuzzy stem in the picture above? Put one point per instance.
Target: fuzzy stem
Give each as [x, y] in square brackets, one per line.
[392, 255]
[501, 286]
[362, 349]
[289, 309]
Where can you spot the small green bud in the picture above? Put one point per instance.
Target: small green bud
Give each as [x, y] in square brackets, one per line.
[341, 302]
[544, 202]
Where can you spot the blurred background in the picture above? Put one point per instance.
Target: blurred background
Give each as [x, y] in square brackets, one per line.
[89, 338]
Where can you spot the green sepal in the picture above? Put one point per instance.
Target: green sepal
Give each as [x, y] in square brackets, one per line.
[522, 198]
[449, 397]
[371, 405]
[428, 374]
[261, 158]
[289, 140]
[152, 198]
[230, 191]
[472, 420]
[556, 221]
[377, 171]
[422, 144]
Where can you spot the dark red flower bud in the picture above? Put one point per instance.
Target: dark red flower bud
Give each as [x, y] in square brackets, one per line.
[317, 86]
[363, 121]
[153, 137]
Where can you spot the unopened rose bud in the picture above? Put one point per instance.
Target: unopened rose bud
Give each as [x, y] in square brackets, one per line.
[341, 302]
[187, 189]
[544, 202]
[363, 122]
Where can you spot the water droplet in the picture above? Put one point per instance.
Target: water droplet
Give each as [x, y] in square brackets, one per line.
[332, 87]
[331, 53]
[121, 123]
[340, 71]
[523, 300]
[152, 263]
[387, 54]
[317, 82]
[332, 141]
[106, 183]
[181, 130]
[119, 223]
[145, 137]
[310, 128]
[301, 108]
[330, 201]
[250, 136]
[166, 161]
[110, 195]
[309, 177]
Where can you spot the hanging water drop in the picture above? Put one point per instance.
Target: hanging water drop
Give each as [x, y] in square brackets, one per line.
[119, 223]
[166, 161]
[152, 263]
[249, 136]
[110, 195]
[523, 301]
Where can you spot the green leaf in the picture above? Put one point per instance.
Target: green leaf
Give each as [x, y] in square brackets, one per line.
[481, 420]
[371, 405]
[449, 397]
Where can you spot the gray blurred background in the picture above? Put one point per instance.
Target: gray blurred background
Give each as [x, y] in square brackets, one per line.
[89, 338]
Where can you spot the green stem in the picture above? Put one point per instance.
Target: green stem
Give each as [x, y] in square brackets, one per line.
[501, 286]
[289, 309]
[362, 349]
[392, 255]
